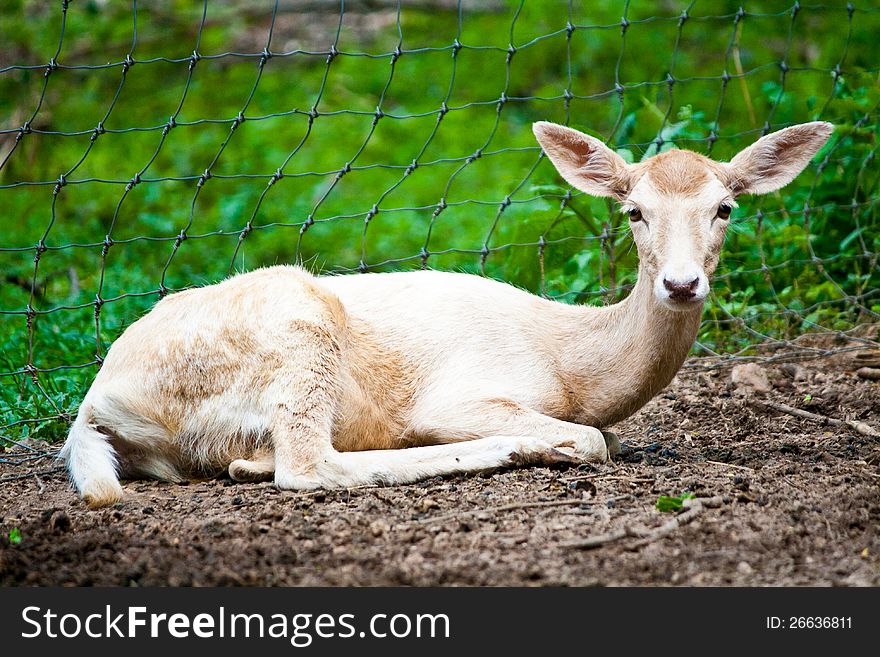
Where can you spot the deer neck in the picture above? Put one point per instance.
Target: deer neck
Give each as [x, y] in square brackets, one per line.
[618, 357]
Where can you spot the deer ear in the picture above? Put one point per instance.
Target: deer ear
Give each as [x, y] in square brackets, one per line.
[776, 159]
[585, 162]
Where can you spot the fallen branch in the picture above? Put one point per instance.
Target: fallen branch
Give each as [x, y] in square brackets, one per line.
[505, 507]
[609, 477]
[599, 540]
[860, 427]
[872, 373]
[693, 508]
[20, 458]
[27, 475]
[867, 358]
[731, 465]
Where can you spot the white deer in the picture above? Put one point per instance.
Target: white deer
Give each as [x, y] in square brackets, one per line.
[340, 381]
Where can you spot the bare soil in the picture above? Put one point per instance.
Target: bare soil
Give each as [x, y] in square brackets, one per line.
[799, 505]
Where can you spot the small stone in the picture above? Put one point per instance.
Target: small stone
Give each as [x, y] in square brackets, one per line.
[584, 486]
[794, 371]
[426, 504]
[743, 568]
[750, 376]
[379, 527]
[870, 373]
[784, 386]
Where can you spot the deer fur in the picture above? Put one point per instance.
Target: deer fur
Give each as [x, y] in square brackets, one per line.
[342, 381]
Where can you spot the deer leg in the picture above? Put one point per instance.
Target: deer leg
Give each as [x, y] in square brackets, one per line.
[261, 467]
[406, 465]
[305, 397]
[306, 459]
[500, 416]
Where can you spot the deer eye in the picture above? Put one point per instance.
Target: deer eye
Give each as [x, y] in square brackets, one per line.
[634, 214]
[724, 211]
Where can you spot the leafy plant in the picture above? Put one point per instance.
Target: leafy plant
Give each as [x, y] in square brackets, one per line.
[666, 504]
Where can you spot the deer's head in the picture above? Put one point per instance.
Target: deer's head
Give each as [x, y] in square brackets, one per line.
[679, 202]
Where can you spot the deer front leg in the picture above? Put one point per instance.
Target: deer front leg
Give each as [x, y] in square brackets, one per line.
[506, 417]
[305, 397]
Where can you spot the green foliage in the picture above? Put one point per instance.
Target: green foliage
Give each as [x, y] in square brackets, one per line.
[666, 504]
[14, 536]
[801, 260]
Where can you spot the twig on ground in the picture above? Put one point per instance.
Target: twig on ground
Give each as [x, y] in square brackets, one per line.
[855, 425]
[17, 443]
[731, 465]
[19, 458]
[599, 539]
[599, 475]
[868, 358]
[295, 495]
[502, 508]
[792, 484]
[871, 373]
[693, 508]
[51, 471]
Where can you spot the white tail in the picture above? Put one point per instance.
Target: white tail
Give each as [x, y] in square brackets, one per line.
[91, 460]
[314, 380]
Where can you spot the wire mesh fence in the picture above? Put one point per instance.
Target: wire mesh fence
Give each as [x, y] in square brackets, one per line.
[147, 147]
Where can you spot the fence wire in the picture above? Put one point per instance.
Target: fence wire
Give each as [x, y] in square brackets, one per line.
[149, 147]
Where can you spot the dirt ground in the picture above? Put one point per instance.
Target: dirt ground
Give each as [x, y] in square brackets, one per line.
[799, 505]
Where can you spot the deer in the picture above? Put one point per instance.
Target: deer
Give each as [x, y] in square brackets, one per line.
[334, 381]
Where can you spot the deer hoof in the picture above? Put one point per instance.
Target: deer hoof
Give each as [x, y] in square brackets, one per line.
[612, 442]
[244, 471]
[546, 457]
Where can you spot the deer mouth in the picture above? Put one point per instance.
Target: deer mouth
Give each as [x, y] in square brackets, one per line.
[683, 302]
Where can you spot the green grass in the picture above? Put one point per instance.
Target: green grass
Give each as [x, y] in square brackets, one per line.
[667, 504]
[502, 214]
[14, 536]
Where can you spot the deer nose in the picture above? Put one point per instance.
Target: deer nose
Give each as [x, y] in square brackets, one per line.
[681, 291]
